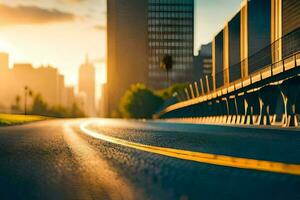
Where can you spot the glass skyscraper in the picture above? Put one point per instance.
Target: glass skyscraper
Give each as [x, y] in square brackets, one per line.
[170, 32]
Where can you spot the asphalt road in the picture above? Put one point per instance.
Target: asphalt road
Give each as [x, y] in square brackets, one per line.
[116, 159]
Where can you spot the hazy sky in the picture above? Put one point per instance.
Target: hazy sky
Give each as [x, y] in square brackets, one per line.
[210, 17]
[56, 32]
[61, 32]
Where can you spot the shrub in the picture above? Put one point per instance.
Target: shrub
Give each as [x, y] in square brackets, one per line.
[139, 102]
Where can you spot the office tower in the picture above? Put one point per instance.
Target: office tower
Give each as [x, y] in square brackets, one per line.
[170, 32]
[127, 47]
[87, 82]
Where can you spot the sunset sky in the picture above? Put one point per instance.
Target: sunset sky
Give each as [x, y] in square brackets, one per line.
[62, 32]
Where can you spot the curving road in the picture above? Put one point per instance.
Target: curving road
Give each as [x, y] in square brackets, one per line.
[119, 159]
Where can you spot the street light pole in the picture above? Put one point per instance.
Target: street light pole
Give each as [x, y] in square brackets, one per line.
[25, 100]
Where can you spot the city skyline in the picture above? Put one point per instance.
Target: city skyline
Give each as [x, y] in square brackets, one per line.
[201, 99]
[69, 21]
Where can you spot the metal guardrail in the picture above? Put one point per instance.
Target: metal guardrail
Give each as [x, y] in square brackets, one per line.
[291, 48]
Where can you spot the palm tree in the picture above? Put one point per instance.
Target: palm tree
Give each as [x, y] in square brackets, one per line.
[166, 63]
[18, 99]
[28, 92]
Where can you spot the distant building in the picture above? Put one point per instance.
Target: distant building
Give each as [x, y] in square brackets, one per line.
[87, 86]
[170, 32]
[69, 96]
[202, 63]
[102, 108]
[44, 80]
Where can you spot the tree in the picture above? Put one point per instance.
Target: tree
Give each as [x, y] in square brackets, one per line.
[166, 63]
[76, 111]
[39, 106]
[139, 102]
[168, 92]
[27, 92]
[16, 106]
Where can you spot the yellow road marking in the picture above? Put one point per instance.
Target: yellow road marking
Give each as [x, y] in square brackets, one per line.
[228, 161]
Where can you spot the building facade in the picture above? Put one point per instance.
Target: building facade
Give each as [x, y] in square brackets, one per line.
[170, 32]
[44, 80]
[127, 48]
[202, 63]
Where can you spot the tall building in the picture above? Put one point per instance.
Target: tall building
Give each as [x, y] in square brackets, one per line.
[127, 47]
[87, 82]
[139, 34]
[170, 32]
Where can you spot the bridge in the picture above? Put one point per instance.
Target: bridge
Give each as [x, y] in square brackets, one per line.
[262, 88]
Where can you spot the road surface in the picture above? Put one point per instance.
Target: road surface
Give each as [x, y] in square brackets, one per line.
[119, 159]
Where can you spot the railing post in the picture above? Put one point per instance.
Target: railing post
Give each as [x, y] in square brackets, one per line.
[197, 89]
[202, 87]
[207, 84]
[271, 69]
[192, 91]
[187, 94]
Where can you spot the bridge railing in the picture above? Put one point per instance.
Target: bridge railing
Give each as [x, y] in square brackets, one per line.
[290, 54]
[257, 63]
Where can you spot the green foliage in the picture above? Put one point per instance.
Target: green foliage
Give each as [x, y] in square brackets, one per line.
[16, 106]
[40, 107]
[139, 102]
[10, 119]
[76, 111]
[166, 63]
[168, 92]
